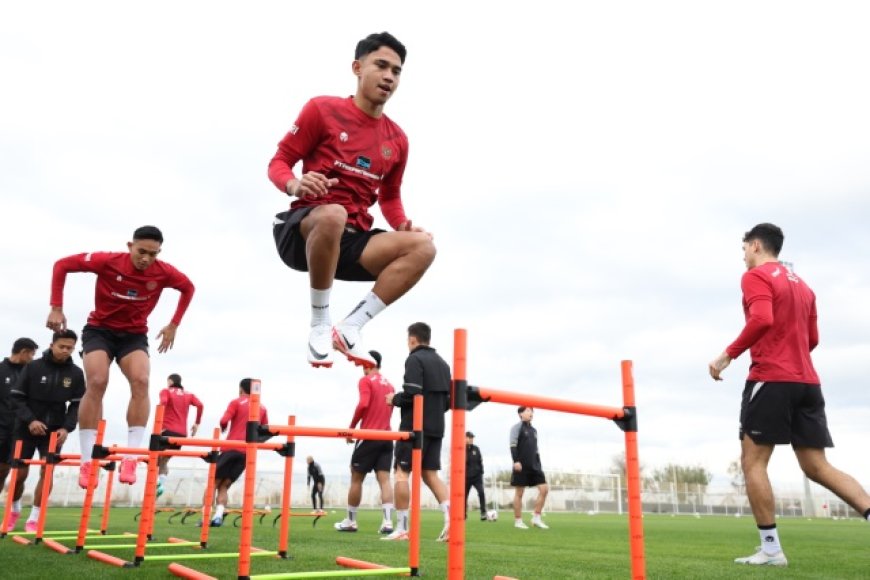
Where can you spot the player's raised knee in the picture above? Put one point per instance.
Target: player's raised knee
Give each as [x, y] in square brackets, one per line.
[331, 217]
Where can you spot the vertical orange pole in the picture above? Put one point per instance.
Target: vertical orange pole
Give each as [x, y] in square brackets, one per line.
[284, 532]
[416, 483]
[459, 402]
[46, 487]
[107, 500]
[209, 494]
[632, 468]
[146, 522]
[89, 493]
[10, 489]
[250, 482]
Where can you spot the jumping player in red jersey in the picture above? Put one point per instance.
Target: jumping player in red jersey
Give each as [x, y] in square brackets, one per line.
[372, 412]
[127, 289]
[782, 401]
[352, 156]
[231, 463]
[177, 403]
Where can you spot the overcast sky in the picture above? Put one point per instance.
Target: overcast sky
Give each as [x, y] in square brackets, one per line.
[588, 173]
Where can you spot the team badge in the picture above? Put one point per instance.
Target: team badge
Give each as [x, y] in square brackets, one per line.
[151, 285]
[363, 162]
[67, 382]
[386, 151]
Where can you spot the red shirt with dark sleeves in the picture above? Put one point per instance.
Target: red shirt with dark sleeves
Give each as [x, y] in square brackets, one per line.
[372, 408]
[177, 403]
[124, 296]
[367, 155]
[236, 416]
[781, 325]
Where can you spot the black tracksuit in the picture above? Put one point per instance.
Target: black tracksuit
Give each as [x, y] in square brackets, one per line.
[474, 476]
[50, 392]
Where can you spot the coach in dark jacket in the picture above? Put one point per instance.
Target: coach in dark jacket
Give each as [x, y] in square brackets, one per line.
[474, 473]
[23, 350]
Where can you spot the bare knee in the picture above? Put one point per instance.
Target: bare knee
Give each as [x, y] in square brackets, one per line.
[423, 247]
[328, 219]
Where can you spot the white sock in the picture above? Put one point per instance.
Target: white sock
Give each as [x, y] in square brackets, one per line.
[388, 511]
[536, 517]
[135, 434]
[351, 513]
[401, 520]
[34, 514]
[445, 509]
[219, 512]
[320, 307]
[16, 506]
[370, 306]
[770, 541]
[87, 438]
[161, 479]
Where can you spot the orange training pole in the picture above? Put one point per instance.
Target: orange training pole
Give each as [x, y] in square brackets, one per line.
[250, 481]
[459, 403]
[46, 487]
[284, 531]
[107, 500]
[632, 468]
[209, 494]
[343, 433]
[89, 493]
[416, 483]
[10, 489]
[538, 402]
[146, 522]
[189, 573]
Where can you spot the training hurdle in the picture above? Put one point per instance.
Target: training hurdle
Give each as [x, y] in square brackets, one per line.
[466, 397]
[255, 431]
[50, 461]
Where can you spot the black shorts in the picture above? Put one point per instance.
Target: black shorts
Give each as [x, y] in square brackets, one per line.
[230, 465]
[116, 343]
[31, 443]
[527, 478]
[7, 446]
[431, 454]
[291, 246]
[168, 433]
[780, 413]
[372, 456]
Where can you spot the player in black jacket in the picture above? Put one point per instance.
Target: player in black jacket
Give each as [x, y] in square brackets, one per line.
[23, 350]
[527, 468]
[315, 474]
[46, 399]
[474, 473]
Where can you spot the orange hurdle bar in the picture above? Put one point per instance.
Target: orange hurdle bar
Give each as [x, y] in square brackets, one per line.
[225, 443]
[109, 559]
[284, 530]
[366, 434]
[190, 573]
[146, 522]
[209, 493]
[13, 480]
[416, 485]
[107, 502]
[458, 406]
[89, 493]
[250, 482]
[632, 467]
[538, 402]
[360, 564]
[47, 481]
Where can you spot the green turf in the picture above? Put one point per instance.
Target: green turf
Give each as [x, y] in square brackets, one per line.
[576, 546]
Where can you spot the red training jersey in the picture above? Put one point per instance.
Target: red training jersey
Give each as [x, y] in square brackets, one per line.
[124, 296]
[367, 155]
[236, 416]
[372, 408]
[781, 325]
[177, 402]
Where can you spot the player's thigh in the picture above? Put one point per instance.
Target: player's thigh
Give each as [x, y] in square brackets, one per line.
[384, 249]
[136, 366]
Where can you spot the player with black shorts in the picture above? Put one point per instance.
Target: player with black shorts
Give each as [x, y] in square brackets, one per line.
[782, 399]
[527, 470]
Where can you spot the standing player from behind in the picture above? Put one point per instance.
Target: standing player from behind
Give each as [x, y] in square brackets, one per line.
[23, 350]
[46, 397]
[231, 463]
[782, 400]
[474, 474]
[127, 289]
[352, 156]
[427, 374]
[177, 403]
[315, 475]
[373, 413]
[527, 470]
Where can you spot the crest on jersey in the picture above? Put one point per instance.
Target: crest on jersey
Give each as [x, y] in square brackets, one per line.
[386, 151]
[67, 382]
[151, 285]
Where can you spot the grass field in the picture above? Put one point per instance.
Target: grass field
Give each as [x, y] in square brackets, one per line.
[575, 546]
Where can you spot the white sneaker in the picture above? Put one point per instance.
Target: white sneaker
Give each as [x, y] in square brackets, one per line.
[347, 340]
[520, 524]
[320, 346]
[761, 558]
[397, 535]
[540, 524]
[345, 526]
[444, 536]
[386, 527]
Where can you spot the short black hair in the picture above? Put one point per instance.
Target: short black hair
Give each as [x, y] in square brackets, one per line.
[421, 331]
[23, 343]
[245, 385]
[377, 356]
[61, 334]
[148, 233]
[374, 41]
[770, 236]
[521, 409]
[176, 379]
